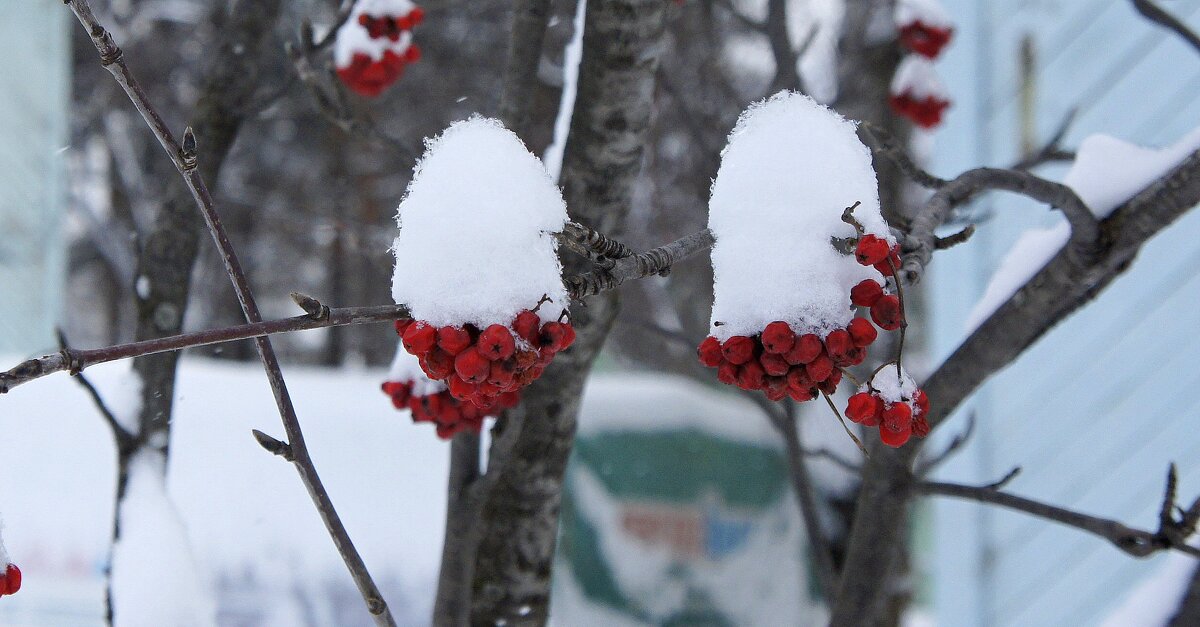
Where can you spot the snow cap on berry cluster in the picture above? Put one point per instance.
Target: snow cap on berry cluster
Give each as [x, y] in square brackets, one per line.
[927, 12]
[789, 170]
[917, 78]
[892, 388]
[476, 241]
[353, 37]
[407, 369]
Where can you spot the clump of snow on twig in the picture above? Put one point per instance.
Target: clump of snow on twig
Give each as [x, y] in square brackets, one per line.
[790, 169]
[927, 12]
[917, 77]
[1106, 173]
[476, 241]
[155, 580]
[893, 387]
[353, 38]
[405, 368]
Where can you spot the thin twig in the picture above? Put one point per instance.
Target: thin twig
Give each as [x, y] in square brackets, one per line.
[73, 359]
[185, 158]
[1052, 150]
[1172, 533]
[1156, 14]
[883, 144]
[957, 442]
[125, 440]
[857, 442]
[950, 241]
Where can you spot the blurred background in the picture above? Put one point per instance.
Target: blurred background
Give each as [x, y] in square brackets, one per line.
[678, 509]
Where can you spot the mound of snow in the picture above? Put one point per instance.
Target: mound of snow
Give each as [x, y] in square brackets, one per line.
[791, 167]
[476, 241]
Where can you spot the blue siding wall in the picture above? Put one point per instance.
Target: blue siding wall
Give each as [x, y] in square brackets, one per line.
[33, 136]
[1094, 411]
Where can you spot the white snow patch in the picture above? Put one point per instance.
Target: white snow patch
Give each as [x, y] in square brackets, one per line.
[123, 398]
[893, 386]
[143, 287]
[353, 38]
[1155, 600]
[155, 580]
[927, 12]
[1030, 253]
[917, 76]
[4, 559]
[566, 107]
[791, 167]
[405, 367]
[476, 241]
[1108, 171]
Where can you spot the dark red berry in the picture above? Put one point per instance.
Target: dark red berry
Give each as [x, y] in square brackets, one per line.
[738, 349]
[416, 15]
[862, 332]
[866, 293]
[778, 338]
[751, 376]
[525, 359]
[553, 335]
[922, 402]
[802, 396]
[496, 342]
[829, 385]
[837, 344]
[820, 368]
[461, 389]
[775, 365]
[798, 380]
[776, 388]
[419, 337]
[453, 340]
[527, 325]
[709, 352]
[920, 427]
[472, 366]
[886, 313]
[862, 406]
[11, 580]
[893, 259]
[727, 373]
[898, 417]
[402, 324]
[924, 39]
[894, 439]
[871, 250]
[437, 363]
[806, 349]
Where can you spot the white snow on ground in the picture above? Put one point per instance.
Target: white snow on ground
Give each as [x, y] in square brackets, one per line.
[4, 559]
[123, 397]
[243, 507]
[1106, 173]
[155, 580]
[353, 38]
[566, 106]
[476, 241]
[928, 12]
[789, 170]
[406, 367]
[1154, 601]
[917, 76]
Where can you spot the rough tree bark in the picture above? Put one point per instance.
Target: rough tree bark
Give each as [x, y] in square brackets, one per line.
[520, 496]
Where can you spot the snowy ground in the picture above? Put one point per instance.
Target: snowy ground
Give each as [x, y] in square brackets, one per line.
[253, 528]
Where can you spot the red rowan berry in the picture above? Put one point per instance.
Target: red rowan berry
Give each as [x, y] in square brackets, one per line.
[871, 250]
[472, 366]
[894, 439]
[798, 380]
[775, 365]
[898, 417]
[806, 349]
[727, 373]
[886, 313]
[437, 364]
[920, 427]
[527, 325]
[820, 368]
[738, 349]
[862, 332]
[419, 337]
[921, 401]
[709, 352]
[751, 376]
[866, 293]
[778, 338]
[496, 342]
[453, 340]
[838, 343]
[863, 405]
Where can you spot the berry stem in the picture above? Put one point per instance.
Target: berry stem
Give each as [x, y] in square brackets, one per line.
[903, 316]
[853, 379]
[850, 433]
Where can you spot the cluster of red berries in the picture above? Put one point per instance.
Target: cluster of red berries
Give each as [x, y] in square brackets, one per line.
[897, 421]
[367, 75]
[481, 365]
[391, 26]
[781, 363]
[885, 308]
[448, 414]
[925, 112]
[10, 580]
[925, 39]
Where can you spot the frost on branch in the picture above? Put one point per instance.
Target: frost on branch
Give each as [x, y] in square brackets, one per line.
[10, 575]
[375, 44]
[917, 93]
[155, 579]
[477, 264]
[783, 318]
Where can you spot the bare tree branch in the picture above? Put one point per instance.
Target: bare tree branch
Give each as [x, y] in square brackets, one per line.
[1156, 14]
[76, 360]
[1052, 150]
[185, 159]
[637, 266]
[1172, 532]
